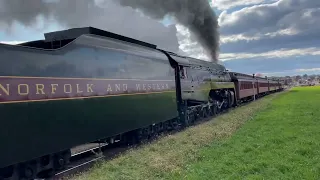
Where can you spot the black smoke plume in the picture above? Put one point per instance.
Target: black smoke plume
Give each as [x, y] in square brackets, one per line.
[196, 15]
[103, 14]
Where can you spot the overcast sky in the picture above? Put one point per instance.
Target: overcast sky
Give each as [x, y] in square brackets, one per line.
[272, 37]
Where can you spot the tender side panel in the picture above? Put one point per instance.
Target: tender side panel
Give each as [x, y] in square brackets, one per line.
[53, 100]
[49, 126]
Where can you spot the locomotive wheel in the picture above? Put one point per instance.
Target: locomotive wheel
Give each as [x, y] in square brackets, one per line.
[204, 113]
[186, 120]
[150, 132]
[215, 109]
[189, 119]
[137, 137]
[230, 100]
[210, 111]
[165, 127]
[174, 124]
[191, 115]
[26, 170]
[145, 134]
[61, 160]
[11, 172]
[199, 114]
[29, 172]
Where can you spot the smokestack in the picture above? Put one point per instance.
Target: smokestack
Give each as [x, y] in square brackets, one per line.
[196, 15]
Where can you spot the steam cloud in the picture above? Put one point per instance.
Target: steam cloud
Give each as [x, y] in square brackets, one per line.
[119, 16]
[103, 14]
[196, 15]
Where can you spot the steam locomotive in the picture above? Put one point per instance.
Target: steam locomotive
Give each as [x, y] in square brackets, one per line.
[88, 85]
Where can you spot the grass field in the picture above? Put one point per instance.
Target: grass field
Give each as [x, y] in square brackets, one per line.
[276, 137]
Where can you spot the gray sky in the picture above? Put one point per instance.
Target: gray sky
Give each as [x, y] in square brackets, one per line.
[273, 37]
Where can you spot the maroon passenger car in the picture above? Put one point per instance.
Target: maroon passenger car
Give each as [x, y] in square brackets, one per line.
[245, 85]
[263, 85]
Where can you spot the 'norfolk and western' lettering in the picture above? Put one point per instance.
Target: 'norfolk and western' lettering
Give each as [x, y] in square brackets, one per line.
[21, 89]
[24, 89]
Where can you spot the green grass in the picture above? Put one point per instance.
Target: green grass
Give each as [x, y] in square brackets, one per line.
[276, 137]
[282, 142]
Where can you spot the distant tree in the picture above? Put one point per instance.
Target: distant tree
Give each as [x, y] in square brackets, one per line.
[298, 78]
[312, 77]
[286, 81]
[305, 76]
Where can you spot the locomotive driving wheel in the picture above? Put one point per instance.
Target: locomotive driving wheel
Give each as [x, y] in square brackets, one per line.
[189, 118]
[213, 108]
[204, 112]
